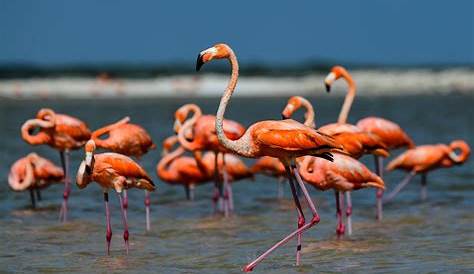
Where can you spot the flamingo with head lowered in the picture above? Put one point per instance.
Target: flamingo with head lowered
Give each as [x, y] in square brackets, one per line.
[62, 132]
[283, 139]
[391, 134]
[112, 171]
[128, 139]
[423, 159]
[33, 173]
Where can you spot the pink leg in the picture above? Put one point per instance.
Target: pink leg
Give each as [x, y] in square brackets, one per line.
[340, 225]
[228, 199]
[125, 223]
[217, 183]
[399, 187]
[147, 210]
[298, 231]
[349, 213]
[67, 189]
[379, 192]
[108, 235]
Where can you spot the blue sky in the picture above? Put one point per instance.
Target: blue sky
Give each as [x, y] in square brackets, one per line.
[154, 32]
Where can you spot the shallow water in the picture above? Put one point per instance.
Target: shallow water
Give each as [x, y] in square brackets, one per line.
[186, 237]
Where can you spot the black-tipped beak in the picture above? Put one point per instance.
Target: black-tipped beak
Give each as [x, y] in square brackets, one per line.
[328, 88]
[199, 62]
[283, 117]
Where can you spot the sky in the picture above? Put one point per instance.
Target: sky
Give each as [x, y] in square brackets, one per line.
[91, 32]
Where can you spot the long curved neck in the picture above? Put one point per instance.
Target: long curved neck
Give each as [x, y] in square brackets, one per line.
[351, 92]
[234, 146]
[309, 115]
[462, 156]
[188, 125]
[104, 130]
[37, 139]
[163, 166]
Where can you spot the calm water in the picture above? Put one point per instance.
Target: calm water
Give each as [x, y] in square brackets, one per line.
[437, 235]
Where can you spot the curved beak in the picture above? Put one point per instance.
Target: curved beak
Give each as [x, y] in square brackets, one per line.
[328, 87]
[176, 126]
[329, 80]
[199, 62]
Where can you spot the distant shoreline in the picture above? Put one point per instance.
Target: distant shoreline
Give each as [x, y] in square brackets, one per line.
[369, 82]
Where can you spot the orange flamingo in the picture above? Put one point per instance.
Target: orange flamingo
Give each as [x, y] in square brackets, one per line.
[128, 139]
[112, 170]
[343, 174]
[356, 143]
[33, 173]
[174, 168]
[285, 140]
[272, 167]
[61, 132]
[422, 159]
[204, 138]
[388, 132]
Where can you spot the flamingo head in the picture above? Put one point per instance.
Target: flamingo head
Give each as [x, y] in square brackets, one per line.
[336, 73]
[45, 114]
[89, 162]
[218, 51]
[463, 147]
[294, 103]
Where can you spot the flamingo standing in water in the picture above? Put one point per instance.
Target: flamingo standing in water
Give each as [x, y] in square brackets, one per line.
[356, 143]
[389, 132]
[189, 171]
[204, 137]
[116, 171]
[62, 132]
[128, 139]
[422, 159]
[343, 174]
[284, 139]
[33, 173]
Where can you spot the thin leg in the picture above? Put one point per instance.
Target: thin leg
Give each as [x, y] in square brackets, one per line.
[217, 183]
[281, 181]
[108, 235]
[38, 194]
[340, 225]
[379, 192]
[125, 223]
[191, 191]
[228, 197]
[147, 210]
[215, 199]
[298, 231]
[349, 212]
[33, 200]
[125, 202]
[424, 192]
[399, 187]
[67, 190]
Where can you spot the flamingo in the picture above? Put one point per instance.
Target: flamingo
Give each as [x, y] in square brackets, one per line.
[174, 168]
[343, 174]
[272, 167]
[388, 132]
[423, 159]
[33, 173]
[284, 139]
[356, 143]
[116, 171]
[128, 139]
[62, 132]
[204, 138]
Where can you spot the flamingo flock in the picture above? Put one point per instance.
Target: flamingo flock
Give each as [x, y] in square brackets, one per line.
[205, 148]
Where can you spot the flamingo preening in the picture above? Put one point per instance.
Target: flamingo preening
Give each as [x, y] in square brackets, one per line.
[62, 132]
[423, 159]
[112, 171]
[285, 140]
[33, 173]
